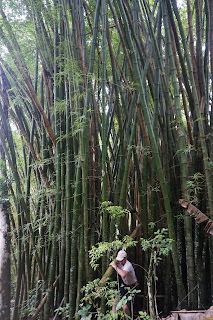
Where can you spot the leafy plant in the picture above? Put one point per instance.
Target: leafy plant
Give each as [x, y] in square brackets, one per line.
[195, 186]
[159, 245]
[126, 298]
[143, 315]
[100, 248]
[29, 305]
[64, 311]
[114, 211]
[93, 293]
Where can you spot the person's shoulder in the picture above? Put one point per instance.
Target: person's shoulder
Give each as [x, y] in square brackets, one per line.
[128, 265]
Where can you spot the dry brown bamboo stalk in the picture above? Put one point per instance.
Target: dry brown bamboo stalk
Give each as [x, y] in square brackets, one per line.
[39, 107]
[198, 215]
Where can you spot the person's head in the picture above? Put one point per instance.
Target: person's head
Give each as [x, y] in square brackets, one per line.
[121, 257]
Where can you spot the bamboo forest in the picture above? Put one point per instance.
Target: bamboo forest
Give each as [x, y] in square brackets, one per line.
[106, 124]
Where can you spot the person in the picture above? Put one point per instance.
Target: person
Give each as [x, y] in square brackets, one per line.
[126, 271]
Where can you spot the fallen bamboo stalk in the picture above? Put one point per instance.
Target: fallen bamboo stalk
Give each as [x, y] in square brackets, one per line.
[198, 215]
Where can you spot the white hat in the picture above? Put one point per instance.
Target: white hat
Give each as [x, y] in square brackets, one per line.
[121, 255]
